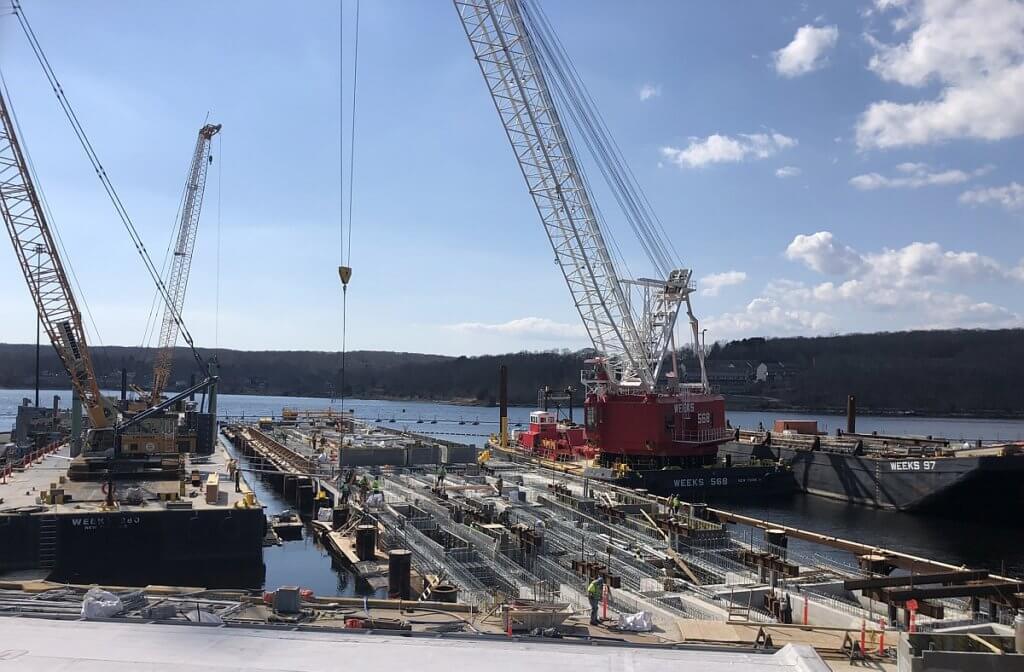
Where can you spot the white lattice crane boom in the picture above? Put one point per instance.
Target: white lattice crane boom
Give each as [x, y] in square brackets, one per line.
[632, 336]
[181, 261]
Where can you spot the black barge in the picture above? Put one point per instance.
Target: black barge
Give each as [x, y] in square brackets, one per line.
[201, 531]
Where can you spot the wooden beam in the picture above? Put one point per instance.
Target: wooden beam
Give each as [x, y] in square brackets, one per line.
[671, 552]
[987, 644]
[897, 558]
[1003, 590]
[916, 579]
[924, 607]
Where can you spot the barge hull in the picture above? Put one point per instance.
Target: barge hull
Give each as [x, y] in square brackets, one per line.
[988, 484]
[213, 548]
[710, 484]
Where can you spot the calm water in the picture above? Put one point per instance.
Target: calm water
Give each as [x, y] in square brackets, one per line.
[993, 546]
[301, 562]
[417, 416]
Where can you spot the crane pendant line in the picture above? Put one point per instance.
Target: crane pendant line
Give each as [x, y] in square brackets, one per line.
[632, 337]
[515, 80]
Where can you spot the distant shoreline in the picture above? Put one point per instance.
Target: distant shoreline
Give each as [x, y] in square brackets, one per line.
[735, 403]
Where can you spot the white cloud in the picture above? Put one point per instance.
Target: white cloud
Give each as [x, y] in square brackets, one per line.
[767, 316]
[914, 264]
[820, 252]
[727, 149]
[787, 171]
[914, 175]
[648, 91]
[973, 50]
[712, 284]
[920, 286]
[910, 307]
[533, 328]
[920, 263]
[807, 51]
[1010, 196]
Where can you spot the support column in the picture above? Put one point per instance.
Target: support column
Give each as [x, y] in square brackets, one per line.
[503, 404]
[212, 367]
[304, 496]
[76, 424]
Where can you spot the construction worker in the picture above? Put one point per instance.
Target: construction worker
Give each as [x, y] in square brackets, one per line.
[499, 485]
[440, 476]
[345, 492]
[594, 591]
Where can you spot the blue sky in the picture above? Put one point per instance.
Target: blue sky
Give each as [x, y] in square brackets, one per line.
[823, 168]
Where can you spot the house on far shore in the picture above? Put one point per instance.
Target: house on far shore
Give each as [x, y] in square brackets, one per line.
[769, 372]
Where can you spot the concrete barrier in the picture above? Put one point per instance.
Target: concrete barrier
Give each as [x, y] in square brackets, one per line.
[422, 454]
[373, 456]
[459, 454]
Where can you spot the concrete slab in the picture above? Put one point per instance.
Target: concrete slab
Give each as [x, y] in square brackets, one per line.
[38, 645]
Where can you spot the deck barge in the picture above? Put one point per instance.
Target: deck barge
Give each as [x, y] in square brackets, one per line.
[903, 473]
[207, 530]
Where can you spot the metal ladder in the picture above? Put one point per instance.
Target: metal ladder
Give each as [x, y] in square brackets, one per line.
[48, 541]
[738, 613]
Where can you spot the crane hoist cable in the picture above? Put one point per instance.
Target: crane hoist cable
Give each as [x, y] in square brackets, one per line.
[345, 250]
[577, 101]
[101, 173]
[153, 316]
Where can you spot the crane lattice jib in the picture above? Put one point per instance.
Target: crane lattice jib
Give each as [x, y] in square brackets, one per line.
[181, 261]
[44, 272]
[516, 82]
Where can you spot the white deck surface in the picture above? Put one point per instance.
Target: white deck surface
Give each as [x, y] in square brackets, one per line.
[39, 645]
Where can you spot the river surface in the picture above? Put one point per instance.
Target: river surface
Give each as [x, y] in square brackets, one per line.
[992, 545]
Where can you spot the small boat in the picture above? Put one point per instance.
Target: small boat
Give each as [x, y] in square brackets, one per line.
[287, 524]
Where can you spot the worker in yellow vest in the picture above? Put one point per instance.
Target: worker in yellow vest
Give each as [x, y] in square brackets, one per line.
[594, 591]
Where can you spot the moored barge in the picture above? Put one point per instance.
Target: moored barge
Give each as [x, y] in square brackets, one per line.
[903, 473]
